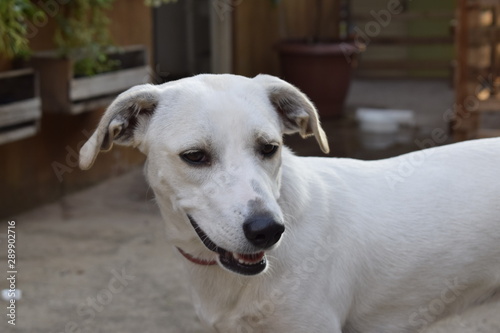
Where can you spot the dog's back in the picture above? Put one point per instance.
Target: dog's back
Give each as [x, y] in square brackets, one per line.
[418, 234]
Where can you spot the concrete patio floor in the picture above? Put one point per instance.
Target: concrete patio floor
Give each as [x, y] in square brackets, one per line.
[97, 261]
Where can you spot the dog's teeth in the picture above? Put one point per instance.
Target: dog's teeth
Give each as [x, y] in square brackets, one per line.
[239, 259]
[242, 260]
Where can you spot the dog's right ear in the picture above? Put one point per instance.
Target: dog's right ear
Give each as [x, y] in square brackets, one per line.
[124, 122]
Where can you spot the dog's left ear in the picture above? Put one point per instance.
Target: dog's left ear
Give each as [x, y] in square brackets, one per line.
[124, 122]
[297, 111]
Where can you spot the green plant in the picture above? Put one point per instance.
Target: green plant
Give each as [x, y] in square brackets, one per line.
[14, 15]
[83, 35]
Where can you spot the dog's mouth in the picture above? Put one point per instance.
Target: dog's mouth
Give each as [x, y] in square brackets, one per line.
[244, 264]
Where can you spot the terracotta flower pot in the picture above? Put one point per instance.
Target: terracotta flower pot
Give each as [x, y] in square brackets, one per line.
[321, 70]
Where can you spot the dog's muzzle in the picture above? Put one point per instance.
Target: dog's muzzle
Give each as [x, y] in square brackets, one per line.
[260, 231]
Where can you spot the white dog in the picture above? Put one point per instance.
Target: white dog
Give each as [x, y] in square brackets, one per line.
[273, 242]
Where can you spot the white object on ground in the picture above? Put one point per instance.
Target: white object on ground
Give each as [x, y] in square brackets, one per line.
[382, 128]
[384, 120]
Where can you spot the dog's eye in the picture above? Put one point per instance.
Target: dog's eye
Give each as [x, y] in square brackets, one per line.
[196, 157]
[268, 150]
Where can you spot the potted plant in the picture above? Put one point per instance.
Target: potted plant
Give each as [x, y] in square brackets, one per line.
[20, 111]
[87, 71]
[321, 64]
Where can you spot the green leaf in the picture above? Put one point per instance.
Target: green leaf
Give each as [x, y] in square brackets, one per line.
[14, 16]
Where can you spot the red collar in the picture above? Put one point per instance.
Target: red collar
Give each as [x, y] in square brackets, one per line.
[198, 261]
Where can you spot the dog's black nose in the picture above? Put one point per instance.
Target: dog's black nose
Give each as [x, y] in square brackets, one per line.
[263, 231]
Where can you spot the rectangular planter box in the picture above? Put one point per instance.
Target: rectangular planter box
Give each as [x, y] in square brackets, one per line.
[20, 105]
[61, 92]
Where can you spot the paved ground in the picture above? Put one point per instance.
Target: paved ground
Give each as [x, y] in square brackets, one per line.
[97, 261]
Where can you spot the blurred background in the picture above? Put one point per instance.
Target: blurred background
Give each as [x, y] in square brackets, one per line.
[387, 76]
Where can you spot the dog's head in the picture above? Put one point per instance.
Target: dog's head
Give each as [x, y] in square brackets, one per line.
[213, 145]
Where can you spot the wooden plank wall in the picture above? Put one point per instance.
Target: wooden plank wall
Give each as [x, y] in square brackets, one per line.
[29, 168]
[259, 25]
[417, 42]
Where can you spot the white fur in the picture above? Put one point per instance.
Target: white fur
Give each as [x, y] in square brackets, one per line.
[374, 247]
